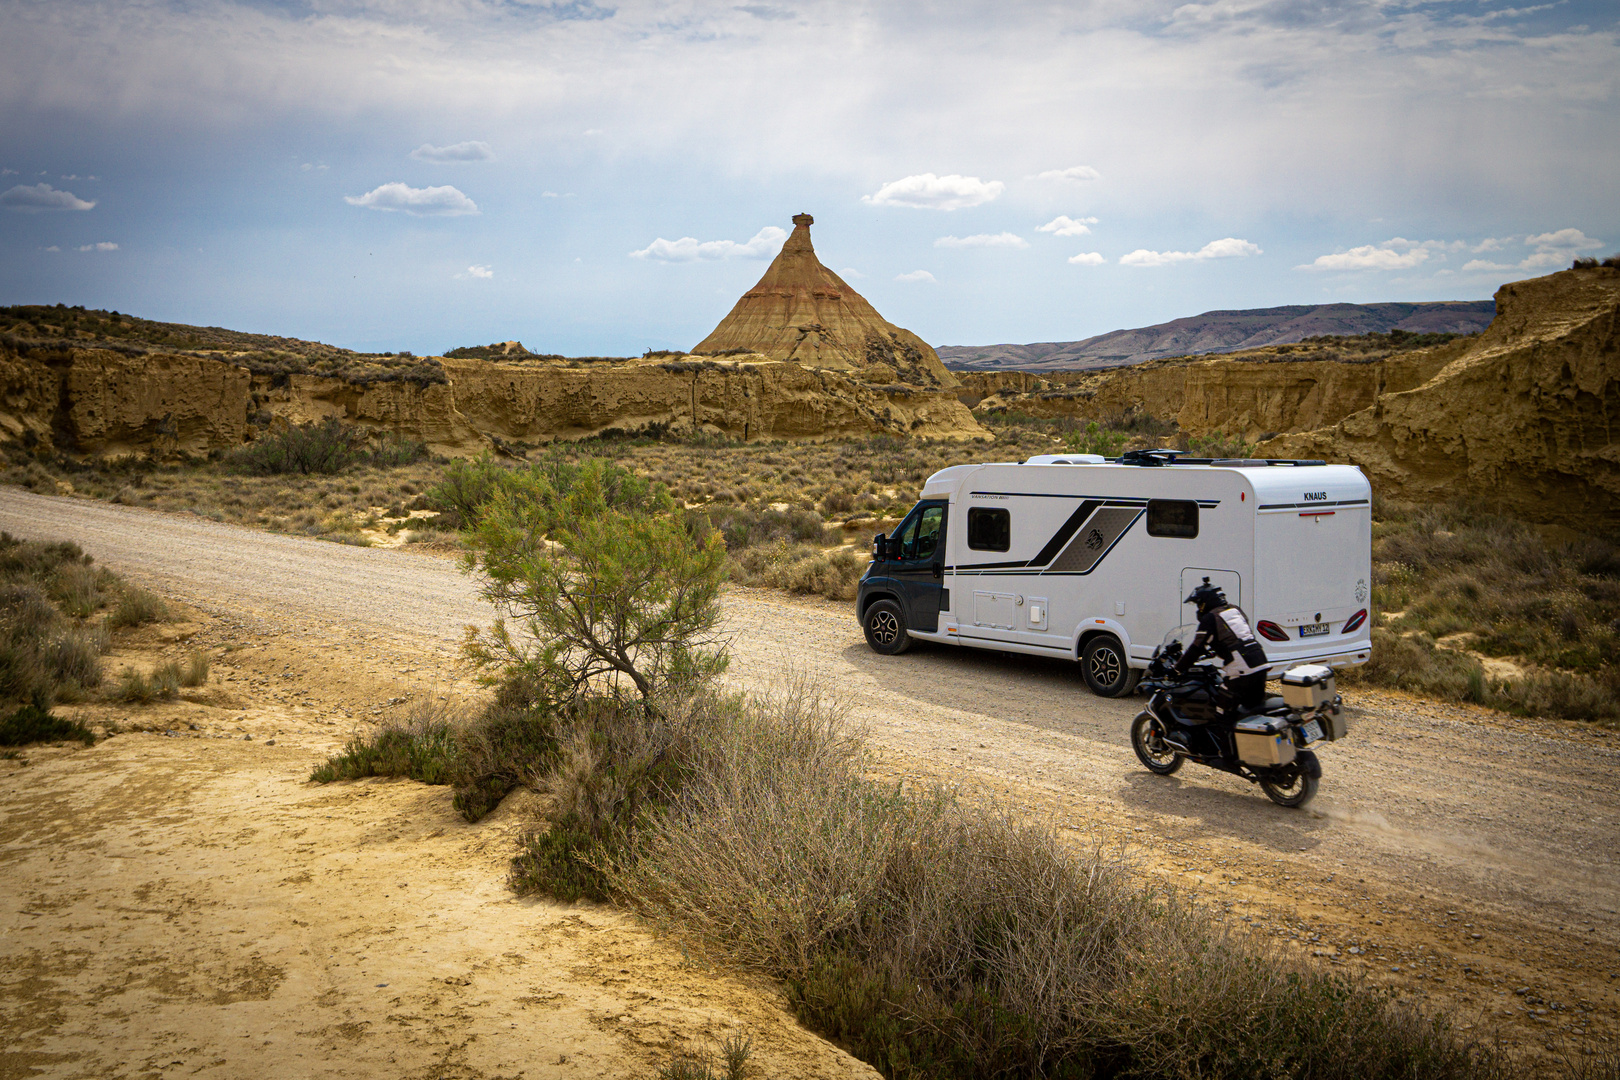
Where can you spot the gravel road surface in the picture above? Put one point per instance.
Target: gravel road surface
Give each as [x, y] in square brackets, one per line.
[1489, 845]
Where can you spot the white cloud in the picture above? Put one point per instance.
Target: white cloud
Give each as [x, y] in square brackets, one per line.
[1087, 258]
[1563, 240]
[310, 166]
[1370, 257]
[8, 172]
[1064, 225]
[1551, 250]
[915, 275]
[32, 198]
[105, 245]
[418, 202]
[555, 195]
[461, 151]
[1074, 174]
[1226, 248]
[53, 247]
[929, 192]
[483, 273]
[689, 248]
[1005, 239]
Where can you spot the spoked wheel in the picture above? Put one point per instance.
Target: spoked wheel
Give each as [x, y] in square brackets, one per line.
[1150, 747]
[885, 627]
[1293, 788]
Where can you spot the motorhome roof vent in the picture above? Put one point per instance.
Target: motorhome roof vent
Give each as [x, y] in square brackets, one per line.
[1067, 459]
[1149, 457]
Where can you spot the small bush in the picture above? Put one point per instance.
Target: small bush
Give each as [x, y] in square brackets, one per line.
[324, 448]
[420, 745]
[133, 688]
[137, 607]
[195, 672]
[31, 724]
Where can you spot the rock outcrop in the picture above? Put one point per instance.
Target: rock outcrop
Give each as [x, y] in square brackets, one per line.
[102, 401]
[803, 312]
[1527, 414]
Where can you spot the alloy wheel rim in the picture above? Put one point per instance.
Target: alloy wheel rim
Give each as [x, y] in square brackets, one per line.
[1105, 666]
[885, 627]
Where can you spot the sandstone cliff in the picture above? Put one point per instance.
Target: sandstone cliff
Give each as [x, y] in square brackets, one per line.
[105, 402]
[1252, 397]
[802, 311]
[1527, 414]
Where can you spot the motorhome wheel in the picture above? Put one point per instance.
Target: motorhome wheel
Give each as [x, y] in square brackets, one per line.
[885, 627]
[1106, 669]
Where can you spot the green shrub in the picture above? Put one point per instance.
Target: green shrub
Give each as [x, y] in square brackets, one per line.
[31, 724]
[466, 487]
[325, 448]
[420, 745]
[1095, 439]
[195, 672]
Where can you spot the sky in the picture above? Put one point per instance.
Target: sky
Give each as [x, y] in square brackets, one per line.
[602, 178]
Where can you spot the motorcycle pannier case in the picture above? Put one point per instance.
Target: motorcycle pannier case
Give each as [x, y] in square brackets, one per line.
[1264, 740]
[1308, 686]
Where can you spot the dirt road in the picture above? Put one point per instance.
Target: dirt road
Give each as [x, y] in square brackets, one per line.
[1461, 855]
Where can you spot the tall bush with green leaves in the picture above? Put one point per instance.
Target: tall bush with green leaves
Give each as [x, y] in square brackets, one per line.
[601, 584]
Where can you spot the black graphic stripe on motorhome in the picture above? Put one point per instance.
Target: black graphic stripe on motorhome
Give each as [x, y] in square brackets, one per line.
[1113, 518]
[1066, 530]
[1311, 505]
[1095, 540]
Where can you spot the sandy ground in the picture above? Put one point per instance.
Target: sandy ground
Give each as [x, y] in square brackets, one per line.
[1464, 858]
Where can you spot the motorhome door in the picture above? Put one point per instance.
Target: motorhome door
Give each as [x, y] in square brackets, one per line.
[919, 571]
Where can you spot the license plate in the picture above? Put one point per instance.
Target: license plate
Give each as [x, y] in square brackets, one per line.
[1313, 629]
[1312, 731]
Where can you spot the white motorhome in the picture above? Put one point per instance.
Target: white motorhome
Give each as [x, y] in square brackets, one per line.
[1088, 558]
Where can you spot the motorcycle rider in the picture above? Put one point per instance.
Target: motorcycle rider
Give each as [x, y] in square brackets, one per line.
[1224, 630]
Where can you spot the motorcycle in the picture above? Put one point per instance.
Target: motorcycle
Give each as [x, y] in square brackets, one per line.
[1269, 746]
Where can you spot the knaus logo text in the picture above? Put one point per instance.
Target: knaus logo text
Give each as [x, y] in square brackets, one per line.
[1316, 496]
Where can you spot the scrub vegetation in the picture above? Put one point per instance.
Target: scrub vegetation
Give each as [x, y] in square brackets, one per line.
[57, 614]
[1475, 606]
[931, 935]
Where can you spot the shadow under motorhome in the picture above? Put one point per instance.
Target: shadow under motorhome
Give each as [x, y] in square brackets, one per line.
[1090, 559]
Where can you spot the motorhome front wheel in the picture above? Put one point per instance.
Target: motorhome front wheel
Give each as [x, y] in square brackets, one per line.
[886, 628]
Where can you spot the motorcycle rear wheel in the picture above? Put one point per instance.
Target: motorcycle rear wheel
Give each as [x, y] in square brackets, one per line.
[1150, 749]
[1295, 789]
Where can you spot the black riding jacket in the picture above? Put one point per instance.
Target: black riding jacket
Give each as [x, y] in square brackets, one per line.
[1225, 632]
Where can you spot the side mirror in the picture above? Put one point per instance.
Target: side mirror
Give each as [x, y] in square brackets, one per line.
[880, 546]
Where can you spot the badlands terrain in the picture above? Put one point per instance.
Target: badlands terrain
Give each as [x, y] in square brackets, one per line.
[183, 902]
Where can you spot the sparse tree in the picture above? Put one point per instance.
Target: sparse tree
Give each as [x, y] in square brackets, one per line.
[599, 581]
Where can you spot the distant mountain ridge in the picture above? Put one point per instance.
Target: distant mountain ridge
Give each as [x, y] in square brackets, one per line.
[1224, 331]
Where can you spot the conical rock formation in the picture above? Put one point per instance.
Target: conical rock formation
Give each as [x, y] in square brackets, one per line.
[803, 312]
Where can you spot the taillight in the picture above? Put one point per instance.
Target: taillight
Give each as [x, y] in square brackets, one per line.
[1355, 621]
[1271, 631]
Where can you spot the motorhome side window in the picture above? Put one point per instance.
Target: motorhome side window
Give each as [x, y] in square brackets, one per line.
[1172, 517]
[989, 529]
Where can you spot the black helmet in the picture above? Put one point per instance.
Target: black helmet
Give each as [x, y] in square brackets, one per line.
[1206, 596]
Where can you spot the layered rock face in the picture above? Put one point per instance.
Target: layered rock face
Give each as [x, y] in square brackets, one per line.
[1527, 414]
[103, 402]
[803, 312]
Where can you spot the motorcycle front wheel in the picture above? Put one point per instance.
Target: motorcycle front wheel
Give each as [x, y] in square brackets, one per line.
[1292, 789]
[1150, 748]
